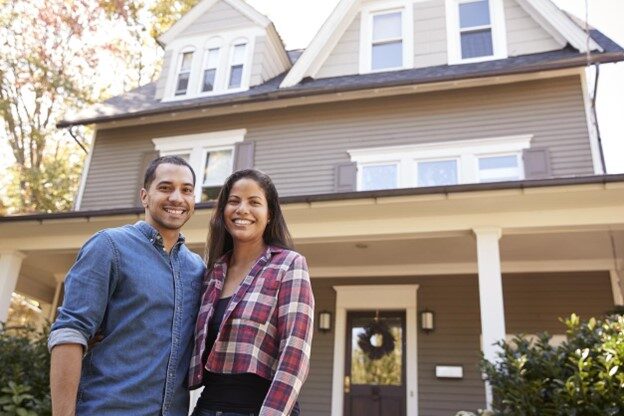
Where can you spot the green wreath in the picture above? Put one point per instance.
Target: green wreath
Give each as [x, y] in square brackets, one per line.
[372, 351]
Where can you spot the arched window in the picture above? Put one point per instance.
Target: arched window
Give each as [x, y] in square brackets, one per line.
[238, 54]
[185, 63]
[211, 64]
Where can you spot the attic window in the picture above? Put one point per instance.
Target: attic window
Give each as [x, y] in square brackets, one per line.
[387, 43]
[475, 29]
[184, 72]
[237, 64]
[210, 69]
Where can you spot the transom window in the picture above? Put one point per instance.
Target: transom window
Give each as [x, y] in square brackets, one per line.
[184, 73]
[441, 164]
[210, 69]
[387, 43]
[475, 28]
[237, 64]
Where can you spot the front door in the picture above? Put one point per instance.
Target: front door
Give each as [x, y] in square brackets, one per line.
[374, 383]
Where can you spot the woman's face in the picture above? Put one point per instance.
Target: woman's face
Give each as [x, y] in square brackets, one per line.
[246, 212]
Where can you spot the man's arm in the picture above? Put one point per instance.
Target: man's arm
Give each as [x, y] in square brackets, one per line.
[65, 367]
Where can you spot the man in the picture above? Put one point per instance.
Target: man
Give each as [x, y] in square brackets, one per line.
[138, 286]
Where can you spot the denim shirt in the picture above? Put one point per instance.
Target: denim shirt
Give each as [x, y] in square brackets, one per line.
[144, 301]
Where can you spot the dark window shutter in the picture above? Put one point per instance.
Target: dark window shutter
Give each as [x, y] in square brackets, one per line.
[146, 158]
[536, 163]
[345, 177]
[243, 156]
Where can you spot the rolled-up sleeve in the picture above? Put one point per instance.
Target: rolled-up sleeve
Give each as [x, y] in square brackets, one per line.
[88, 287]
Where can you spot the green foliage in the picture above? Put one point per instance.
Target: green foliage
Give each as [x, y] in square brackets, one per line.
[24, 372]
[582, 377]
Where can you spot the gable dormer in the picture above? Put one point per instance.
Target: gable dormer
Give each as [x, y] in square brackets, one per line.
[219, 47]
[369, 36]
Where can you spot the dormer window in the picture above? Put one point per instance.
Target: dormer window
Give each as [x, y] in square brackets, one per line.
[476, 30]
[387, 44]
[237, 64]
[184, 72]
[211, 64]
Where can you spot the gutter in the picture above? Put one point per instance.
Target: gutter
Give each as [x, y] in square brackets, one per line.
[345, 196]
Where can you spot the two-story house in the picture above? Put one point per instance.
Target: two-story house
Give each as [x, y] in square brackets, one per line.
[439, 165]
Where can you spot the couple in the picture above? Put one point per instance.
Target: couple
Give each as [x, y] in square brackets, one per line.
[163, 323]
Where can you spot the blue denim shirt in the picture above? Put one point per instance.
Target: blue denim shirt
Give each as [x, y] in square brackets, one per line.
[145, 302]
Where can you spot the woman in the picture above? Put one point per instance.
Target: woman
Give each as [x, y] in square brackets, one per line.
[254, 328]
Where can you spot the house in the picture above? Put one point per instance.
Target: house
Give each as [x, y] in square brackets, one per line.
[439, 165]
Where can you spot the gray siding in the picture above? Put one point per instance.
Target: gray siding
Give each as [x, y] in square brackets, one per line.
[430, 44]
[525, 35]
[164, 71]
[533, 304]
[219, 17]
[300, 146]
[265, 63]
[344, 59]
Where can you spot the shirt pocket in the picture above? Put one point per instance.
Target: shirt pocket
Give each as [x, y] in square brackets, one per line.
[259, 301]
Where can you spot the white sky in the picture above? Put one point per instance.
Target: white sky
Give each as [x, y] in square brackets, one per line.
[298, 21]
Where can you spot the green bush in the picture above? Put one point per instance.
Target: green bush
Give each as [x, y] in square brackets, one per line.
[584, 376]
[24, 372]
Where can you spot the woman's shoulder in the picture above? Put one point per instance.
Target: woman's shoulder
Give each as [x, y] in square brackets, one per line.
[287, 257]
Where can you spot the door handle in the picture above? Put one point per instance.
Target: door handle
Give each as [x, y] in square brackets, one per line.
[347, 384]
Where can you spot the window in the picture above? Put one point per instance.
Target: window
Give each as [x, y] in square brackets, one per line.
[237, 63]
[184, 73]
[441, 164]
[210, 154]
[387, 44]
[475, 29]
[210, 70]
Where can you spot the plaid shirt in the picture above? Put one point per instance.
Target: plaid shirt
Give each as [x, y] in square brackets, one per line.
[266, 330]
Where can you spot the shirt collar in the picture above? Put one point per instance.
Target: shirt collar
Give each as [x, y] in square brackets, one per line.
[152, 234]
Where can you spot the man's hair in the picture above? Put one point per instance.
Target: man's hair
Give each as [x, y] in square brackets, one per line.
[150, 172]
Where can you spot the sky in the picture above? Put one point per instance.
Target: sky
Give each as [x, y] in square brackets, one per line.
[298, 21]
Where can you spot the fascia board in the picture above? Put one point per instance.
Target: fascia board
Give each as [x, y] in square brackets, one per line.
[335, 24]
[186, 20]
[546, 12]
[278, 46]
[250, 12]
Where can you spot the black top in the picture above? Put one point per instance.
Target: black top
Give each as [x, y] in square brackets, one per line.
[242, 393]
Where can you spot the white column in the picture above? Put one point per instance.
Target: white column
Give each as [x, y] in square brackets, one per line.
[59, 278]
[617, 288]
[490, 295]
[10, 265]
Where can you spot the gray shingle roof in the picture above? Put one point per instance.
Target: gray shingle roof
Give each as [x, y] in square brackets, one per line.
[141, 101]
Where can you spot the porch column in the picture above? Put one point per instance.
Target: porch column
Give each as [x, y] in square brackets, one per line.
[617, 286]
[10, 265]
[490, 295]
[59, 278]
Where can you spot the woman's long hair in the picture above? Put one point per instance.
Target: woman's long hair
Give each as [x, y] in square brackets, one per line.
[276, 232]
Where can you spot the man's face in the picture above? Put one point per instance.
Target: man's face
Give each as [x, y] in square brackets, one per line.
[170, 200]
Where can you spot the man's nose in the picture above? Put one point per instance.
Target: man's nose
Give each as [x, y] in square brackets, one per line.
[176, 195]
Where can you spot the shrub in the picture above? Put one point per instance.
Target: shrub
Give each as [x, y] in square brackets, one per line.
[584, 376]
[24, 372]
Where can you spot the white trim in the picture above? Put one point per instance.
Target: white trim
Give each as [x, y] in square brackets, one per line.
[453, 32]
[592, 126]
[367, 14]
[466, 152]
[376, 297]
[202, 7]
[617, 287]
[551, 18]
[10, 266]
[85, 172]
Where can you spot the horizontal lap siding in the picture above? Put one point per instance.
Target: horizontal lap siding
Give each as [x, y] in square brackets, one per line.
[300, 146]
[525, 35]
[219, 17]
[430, 44]
[344, 59]
[533, 303]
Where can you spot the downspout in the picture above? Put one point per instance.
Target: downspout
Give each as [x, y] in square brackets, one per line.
[595, 116]
[71, 133]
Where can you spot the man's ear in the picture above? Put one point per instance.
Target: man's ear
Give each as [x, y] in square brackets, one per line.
[143, 196]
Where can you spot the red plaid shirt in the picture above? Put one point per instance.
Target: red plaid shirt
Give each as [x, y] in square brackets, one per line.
[266, 330]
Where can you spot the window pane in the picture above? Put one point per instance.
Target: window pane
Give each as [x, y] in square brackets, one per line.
[437, 173]
[218, 167]
[187, 59]
[208, 82]
[498, 162]
[388, 55]
[212, 59]
[210, 193]
[236, 75]
[477, 43]
[379, 177]
[238, 56]
[474, 14]
[183, 80]
[387, 26]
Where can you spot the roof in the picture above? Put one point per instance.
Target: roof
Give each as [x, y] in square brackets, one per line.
[141, 101]
[342, 196]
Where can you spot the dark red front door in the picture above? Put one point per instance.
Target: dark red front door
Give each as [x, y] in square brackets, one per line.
[374, 382]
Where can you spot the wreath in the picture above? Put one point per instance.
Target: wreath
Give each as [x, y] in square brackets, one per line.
[375, 352]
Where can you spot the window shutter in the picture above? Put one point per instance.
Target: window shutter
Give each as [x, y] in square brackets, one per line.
[146, 158]
[243, 156]
[345, 177]
[536, 163]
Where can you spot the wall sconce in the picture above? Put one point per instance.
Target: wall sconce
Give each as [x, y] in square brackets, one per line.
[426, 321]
[324, 321]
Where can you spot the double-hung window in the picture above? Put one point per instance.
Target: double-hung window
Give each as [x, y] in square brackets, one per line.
[211, 155]
[387, 41]
[184, 72]
[237, 65]
[209, 76]
[475, 29]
